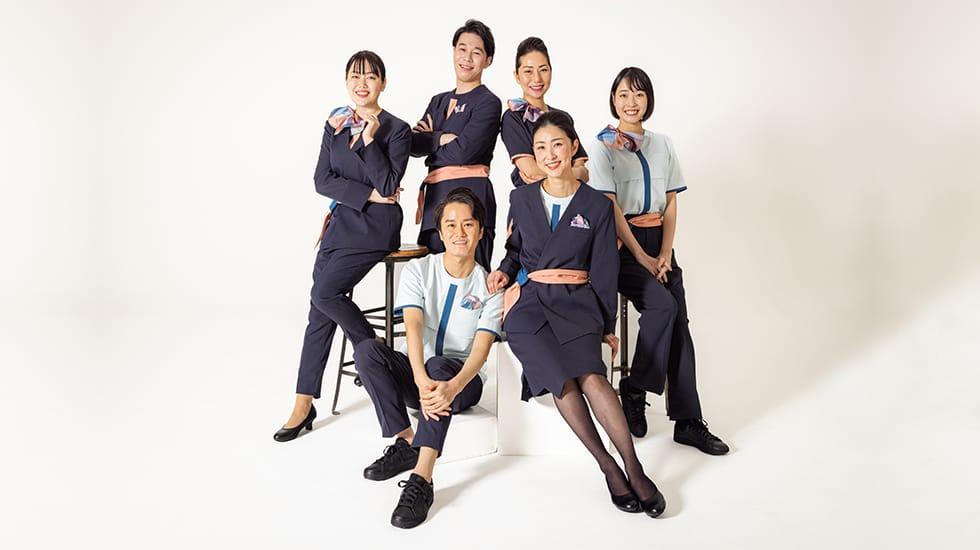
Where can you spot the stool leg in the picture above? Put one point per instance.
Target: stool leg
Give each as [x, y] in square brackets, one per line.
[624, 336]
[390, 303]
[340, 365]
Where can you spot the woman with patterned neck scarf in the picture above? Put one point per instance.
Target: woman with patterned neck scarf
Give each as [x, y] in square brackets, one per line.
[532, 70]
[639, 171]
[363, 156]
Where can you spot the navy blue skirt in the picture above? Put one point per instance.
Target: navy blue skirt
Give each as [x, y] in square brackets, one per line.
[548, 364]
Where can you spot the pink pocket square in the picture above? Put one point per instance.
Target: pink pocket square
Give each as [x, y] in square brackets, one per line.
[580, 222]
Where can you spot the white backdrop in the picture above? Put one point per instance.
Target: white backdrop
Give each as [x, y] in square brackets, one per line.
[157, 159]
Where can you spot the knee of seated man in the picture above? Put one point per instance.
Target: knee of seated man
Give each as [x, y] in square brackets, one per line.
[440, 368]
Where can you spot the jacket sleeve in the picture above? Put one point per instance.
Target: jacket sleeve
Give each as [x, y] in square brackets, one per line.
[604, 268]
[514, 136]
[511, 263]
[386, 168]
[480, 132]
[425, 143]
[351, 193]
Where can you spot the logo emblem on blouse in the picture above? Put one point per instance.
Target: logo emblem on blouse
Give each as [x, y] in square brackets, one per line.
[459, 108]
[580, 222]
[470, 302]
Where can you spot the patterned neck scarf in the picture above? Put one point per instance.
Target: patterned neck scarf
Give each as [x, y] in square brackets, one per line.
[531, 113]
[345, 117]
[617, 139]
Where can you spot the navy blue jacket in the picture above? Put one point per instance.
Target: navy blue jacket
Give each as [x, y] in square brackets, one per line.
[348, 175]
[475, 120]
[570, 310]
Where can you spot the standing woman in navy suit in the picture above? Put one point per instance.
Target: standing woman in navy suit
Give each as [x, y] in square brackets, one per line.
[362, 160]
[563, 238]
[532, 70]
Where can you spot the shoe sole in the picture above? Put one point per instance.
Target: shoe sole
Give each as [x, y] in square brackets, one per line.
[711, 452]
[381, 477]
[308, 427]
[636, 510]
[402, 525]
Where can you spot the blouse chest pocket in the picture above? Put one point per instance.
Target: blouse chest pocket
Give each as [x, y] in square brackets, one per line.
[658, 165]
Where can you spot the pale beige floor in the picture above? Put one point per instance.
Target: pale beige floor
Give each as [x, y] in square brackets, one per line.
[155, 433]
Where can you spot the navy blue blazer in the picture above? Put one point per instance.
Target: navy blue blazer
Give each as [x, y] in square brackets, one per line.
[584, 239]
[515, 132]
[474, 119]
[348, 175]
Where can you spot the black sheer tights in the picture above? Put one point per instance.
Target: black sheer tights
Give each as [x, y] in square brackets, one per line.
[605, 405]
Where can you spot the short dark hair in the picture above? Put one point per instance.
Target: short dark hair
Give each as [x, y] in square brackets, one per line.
[462, 195]
[639, 81]
[528, 45]
[365, 58]
[560, 119]
[478, 28]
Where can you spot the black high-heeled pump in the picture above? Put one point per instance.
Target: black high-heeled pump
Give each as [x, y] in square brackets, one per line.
[655, 505]
[289, 434]
[627, 503]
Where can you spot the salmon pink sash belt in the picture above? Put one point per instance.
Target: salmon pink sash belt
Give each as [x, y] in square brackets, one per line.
[559, 276]
[449, 173]
[650, 219]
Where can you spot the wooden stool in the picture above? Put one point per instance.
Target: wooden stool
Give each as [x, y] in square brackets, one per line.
[385, 314]
[623, 368]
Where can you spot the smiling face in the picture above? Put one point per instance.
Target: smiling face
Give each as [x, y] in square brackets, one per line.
[459, 230]
[364, 85]
[553, 150]
[631, 104]
[470, 57]
[534, 74]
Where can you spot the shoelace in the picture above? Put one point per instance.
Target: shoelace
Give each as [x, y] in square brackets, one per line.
[413, 490]
[701, 428]
[389, 452]
[637, 406]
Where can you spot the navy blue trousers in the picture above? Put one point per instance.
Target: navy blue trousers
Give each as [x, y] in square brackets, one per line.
[387, 377]
[334, 275]
[664, 347]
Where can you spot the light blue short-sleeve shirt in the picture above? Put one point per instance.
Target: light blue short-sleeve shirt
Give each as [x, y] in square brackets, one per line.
[641, 179]
[453, 310]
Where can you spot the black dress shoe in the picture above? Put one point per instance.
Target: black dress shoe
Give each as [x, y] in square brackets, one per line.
[655, 505]
[634, 407]
[289, 434]
[413, 505]
[627, 503]
[396, 459]
[695, 433]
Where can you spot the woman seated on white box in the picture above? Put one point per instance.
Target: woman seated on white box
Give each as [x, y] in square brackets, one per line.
[561, 253]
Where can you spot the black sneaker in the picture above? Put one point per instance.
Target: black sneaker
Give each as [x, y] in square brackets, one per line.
[634, 407]
[397, 458]
[413, 505]
[695, 433]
